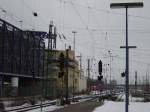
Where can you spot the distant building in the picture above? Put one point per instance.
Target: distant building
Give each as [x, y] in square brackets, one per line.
[82, 83]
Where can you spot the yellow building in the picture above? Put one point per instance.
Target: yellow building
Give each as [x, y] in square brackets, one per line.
[56, 86]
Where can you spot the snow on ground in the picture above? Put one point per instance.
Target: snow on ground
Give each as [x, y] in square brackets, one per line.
[50, 108]
[131, 99]
[47, 109]
[15, 107]
[81, 100]
[25, 105]
[110, 106]
[137, 99]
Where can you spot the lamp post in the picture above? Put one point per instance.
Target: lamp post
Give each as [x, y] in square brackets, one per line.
[127, 4]
[74, 42]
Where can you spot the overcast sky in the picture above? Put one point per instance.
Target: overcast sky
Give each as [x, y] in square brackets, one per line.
[99, 29]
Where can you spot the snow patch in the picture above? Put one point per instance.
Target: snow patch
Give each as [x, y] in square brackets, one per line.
[47, 109]
[110, 106]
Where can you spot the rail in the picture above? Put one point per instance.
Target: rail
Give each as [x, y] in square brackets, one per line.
[36, 106]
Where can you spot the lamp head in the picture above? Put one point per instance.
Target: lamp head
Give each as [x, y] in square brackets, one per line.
[126, 4]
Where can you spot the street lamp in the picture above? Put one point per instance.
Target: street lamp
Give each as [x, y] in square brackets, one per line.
[127, 4]
[74, 42]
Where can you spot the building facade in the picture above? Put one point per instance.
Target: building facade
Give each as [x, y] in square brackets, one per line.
[71, 71]
[82, 83]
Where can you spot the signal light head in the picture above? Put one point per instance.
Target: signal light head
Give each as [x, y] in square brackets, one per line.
[100, 77]
[123, 74]
[100, 67]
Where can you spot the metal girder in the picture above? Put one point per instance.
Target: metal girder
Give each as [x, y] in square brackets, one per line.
[22, 52]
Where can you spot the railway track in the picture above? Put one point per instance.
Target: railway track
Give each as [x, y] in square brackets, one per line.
[32, 107]
[38, 106]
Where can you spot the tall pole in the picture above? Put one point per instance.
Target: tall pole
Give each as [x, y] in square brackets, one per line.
[127, 5]
[80, 65]
[110, 66]
[66, 75]
[135, 81]
[74, 42]
[48, 56]
[88, 70]
[147, 78]
[127, 63]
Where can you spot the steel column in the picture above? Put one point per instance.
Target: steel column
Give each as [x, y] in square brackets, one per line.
[127, 63]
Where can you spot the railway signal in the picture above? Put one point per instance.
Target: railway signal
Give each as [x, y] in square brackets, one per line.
[123, 74]
[100, 77]
[61, 65]
[100, 67]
